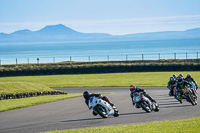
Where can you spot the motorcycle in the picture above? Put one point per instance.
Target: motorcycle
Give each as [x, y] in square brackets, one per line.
[189, 93]
[172, 90]
[103, 108]
[144, 103]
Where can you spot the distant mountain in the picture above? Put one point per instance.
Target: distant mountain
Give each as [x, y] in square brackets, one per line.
[58, 33]
[57, 30]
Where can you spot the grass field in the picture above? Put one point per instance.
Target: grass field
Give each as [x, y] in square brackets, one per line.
[109, 79]
[22, 87]
[25, 102]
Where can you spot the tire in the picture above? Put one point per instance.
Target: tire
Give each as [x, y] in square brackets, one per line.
[145, 107]
[116, 113]
[191, 99]
[101, 111]
[157, 109]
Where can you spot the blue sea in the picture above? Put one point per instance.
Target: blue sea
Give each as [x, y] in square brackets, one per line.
[20, 53]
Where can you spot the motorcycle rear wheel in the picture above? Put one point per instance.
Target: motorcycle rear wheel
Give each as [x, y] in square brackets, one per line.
[101, 111]
[145, 107]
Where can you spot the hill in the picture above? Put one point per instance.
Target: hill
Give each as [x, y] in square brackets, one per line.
[60, 33]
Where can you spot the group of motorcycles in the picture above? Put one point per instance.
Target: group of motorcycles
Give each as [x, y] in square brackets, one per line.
[104, 109]
[189, 93]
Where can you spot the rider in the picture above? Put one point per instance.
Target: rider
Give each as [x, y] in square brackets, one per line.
[133, 89]
[171, 84]
[181, 83]
[87, 97]
[191, 80]
[180, 75]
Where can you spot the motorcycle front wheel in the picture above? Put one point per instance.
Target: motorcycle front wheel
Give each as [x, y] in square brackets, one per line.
[191, 99]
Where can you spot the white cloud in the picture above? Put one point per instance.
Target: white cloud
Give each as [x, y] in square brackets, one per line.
[135, 21]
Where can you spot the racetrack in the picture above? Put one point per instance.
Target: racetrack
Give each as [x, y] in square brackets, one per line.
[73, 113]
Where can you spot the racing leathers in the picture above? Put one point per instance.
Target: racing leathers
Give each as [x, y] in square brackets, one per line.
[171, 84]
[191, 80]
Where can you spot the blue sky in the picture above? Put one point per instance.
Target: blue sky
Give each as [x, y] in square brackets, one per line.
[115, 17]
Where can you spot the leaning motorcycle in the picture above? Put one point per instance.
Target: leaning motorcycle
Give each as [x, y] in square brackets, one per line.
[103, 108]
[189, 93]
[172, 90]
[144, 103]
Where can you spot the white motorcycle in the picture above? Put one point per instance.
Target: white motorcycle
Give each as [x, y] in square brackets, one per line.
[144, 103]
[103, 108]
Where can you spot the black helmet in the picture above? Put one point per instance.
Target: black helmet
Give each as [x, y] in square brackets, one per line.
[180, 79]
[86, 94]
[188, 75]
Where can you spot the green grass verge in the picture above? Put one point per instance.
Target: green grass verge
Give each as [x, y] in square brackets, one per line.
[25, 102]
[109, 79]
[178, 126]
[22, 87]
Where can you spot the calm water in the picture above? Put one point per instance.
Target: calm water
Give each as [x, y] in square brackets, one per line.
[98, 51]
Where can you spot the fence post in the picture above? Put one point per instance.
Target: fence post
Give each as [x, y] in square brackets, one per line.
[38, 60]
[53, 59]
[108, 57]
[186, 55]
[175, 56]
[142, 57]
[16, 61]
[28, 60]
[70, 58]
[89, 58]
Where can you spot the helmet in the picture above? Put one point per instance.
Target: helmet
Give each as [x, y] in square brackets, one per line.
[174, 76]
[132, 88]
[180, 79]
[171, 78]
[86, 94]
[180, 75]
[188, 75]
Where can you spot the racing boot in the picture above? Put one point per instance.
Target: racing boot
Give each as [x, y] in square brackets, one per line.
[137, 106]
[94, 113]
[180, 98]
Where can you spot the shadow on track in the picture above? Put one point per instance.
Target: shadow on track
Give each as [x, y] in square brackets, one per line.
[89, 119]
[180, 106]
[162, 96]
[138, 113]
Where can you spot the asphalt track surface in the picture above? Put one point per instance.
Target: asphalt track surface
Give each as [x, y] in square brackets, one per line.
[73, 113]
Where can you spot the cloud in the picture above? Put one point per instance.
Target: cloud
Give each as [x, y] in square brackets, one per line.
[135, 21]
[126, 21]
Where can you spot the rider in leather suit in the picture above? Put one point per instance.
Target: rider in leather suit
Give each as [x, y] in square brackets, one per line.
[87, 97]
[191, 80]
[171, 84]
[133, 89]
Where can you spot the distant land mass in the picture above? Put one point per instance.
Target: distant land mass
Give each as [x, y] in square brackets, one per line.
[61, 33]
